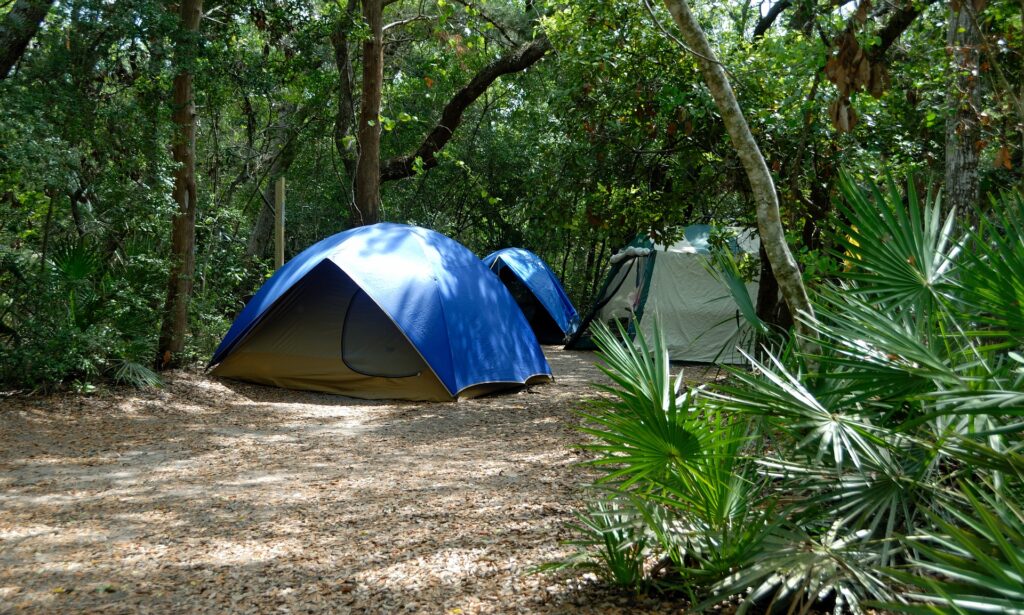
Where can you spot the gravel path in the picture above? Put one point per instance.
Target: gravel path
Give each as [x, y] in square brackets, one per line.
[215, 496]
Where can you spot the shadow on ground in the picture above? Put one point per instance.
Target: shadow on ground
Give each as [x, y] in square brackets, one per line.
[216, 496]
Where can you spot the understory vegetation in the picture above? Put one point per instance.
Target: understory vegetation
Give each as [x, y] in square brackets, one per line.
[881, 469]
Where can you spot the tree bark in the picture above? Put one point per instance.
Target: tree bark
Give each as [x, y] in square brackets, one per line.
[518, 60]
[768, 306]
[18, 28]
[367, 188]
[963, 129]
[769, 222]
[183, 151]
[344, 116]
[766, 22]
[897, 24]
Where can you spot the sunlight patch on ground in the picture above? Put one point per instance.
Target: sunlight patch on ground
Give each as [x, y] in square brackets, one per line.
[230, 552]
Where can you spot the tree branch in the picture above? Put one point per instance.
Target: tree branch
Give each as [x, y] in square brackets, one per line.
[402, 22]
[766, 22]
[519, 60]
[497, 26]
[897, 24]
[17, 28]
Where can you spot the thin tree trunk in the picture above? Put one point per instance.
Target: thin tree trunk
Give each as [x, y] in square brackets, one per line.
[17, 29]
[963, 129]
[769, 222]
[47, 225]
[74, 199]
[589, 272]
[598, 267]
[179, 287]
[345, 115]
[567, 247]
[367, 189]
[285, 147]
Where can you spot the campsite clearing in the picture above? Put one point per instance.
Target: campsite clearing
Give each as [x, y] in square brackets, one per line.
[212, 496]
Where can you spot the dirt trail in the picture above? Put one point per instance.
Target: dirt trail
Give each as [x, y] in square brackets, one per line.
[216, 496]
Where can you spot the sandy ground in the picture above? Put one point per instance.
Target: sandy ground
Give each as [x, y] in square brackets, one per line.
[215, 496]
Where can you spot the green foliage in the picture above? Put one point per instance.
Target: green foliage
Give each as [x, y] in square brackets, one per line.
[992, 288]
[692, 496]
[866, 438]
[971, 559]
[892, 450]
[615, 530]
[75, 317]
[905, 252]
[136, 375]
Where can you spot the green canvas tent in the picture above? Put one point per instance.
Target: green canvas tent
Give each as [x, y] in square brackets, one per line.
[699, 318]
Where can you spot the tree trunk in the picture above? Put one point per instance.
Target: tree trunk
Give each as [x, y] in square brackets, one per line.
[18, 28]
[345, 114]
[183, 236]
[963, 129]
[769, 307]
[285, 148]
[769, 223]
[368, 169]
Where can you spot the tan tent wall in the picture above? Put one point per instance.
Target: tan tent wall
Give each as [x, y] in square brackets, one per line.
[298, 344]
[698, 316]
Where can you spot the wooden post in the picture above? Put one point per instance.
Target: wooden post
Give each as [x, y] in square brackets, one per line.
[279, 223]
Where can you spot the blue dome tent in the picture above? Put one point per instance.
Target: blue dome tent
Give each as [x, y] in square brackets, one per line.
[537, 291]
[387, 311]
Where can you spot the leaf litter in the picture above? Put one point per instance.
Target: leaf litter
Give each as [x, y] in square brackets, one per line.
[211, 495]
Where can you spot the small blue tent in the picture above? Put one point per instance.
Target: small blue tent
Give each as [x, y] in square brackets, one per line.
[383, 311]
[543, 300]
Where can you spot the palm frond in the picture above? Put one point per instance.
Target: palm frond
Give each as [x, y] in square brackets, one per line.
[973, 561]
[991, 285]
[901, 248]
[137, 375]
[612, 543]
[797, 573]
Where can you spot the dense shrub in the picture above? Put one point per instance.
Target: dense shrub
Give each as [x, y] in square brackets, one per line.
[882, 468]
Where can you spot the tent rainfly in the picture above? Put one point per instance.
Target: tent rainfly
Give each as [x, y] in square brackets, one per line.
[699, 318]
[537, 291]
[387, 311]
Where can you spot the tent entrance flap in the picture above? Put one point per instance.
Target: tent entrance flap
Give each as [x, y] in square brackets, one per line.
[372, 345]
[541, 321]
[325, 334]
[622, 292]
